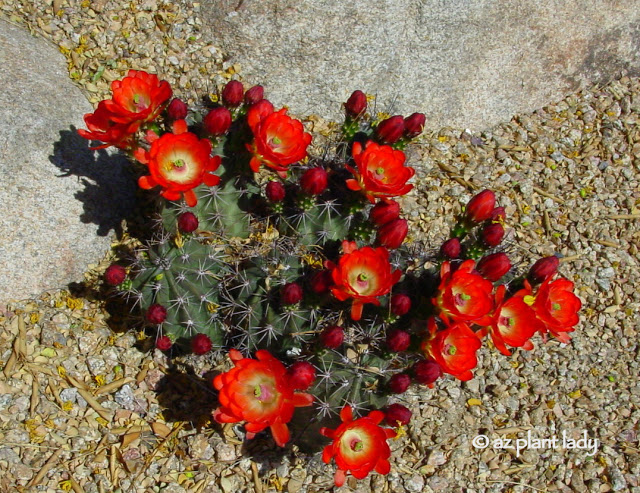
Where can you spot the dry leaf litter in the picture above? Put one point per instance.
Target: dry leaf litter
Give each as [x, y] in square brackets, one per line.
[84, 409]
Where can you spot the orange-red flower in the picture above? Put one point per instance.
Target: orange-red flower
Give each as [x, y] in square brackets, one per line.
[463, 295]
[260, 393]
[359, 446]
[380, 171]
[279, 140]
[453, 348]
[178, 163]
[557, 307]
[362, 274]
[138, 97]
[101, 126]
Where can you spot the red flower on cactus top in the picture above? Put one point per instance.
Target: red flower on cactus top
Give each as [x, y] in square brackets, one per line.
[140, 96]
[101, 126]
[463, 295]
[359, 446]
[178, 163]
[260, 393]
[556, 307]
[379, 172]
[453, 348]
[362, 274]
[279, 140]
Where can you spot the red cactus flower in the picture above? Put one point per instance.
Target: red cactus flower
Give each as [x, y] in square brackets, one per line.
[188, 222]
[398, 340]
[201, 344]
[115, 275]
[301, 375]
[279, 140]
[364, 275]
[140, 96]
[177, 109]
[543, 269]
[164, 343]
[259, 393]
[217, 122]
[253, 95]
[233, 93]
[359, 446]
[451, 249]
[453, 348]
[400, 304]
[492, 267]
[384, 212]
[101, 126]
[275, 191]
[492, 234]
[414, 125]
[178, 164]
[481, 206]
[380, 171]
[314, 181]
[556, 307]
[332, 337]
[397, 414]
[291, 293]
[463, 295]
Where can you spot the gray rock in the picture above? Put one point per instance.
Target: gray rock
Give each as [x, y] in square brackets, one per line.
[465, 64]
[60, 199]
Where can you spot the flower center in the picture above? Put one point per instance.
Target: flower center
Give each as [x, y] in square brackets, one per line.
[356, 445]
[555, 306]
[450, 349]
[380, 171]
[461, 298]
[507, 321]
[138, 103]
[263, 392]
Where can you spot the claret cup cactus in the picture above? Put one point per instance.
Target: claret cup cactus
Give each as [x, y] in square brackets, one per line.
[298, 268]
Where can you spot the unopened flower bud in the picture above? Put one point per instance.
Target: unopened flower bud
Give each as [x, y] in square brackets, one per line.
[217, 121]
[115, 275]
[494, 266]
[233, 93]
[332, 337]
[451, 249]
[384, 211]
[291, 293]
[156, 314]
[543, 269]
[356, 105]
[275, 191]
[187, 222]
[414, 125]
[392, 234]
[164, 343]
[301, 375]
[390, 131]
[426, 372]
[400, 304]
[321, 281]
[398, 340]
[481, 206]
[399, 383]
[314, 181]
[253, 95]
[177, 109]
[492, 234]
[397, 413]
[498, 215]
[201, 344]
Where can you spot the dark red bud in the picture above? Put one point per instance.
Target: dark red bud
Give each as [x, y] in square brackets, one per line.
[543, 269]
[156, 314]
[392, 234]
[494, 266]
[398, 340]
[384, 212]
[291, 293]
[492, 234]
[177, 109]
[275, 191]
[451, 249]
[115, 275]
[481, 206]
[163, 343]
[187, 222]
[414, 125]
[498, 215]
[390, 131]
[253, 95]
[233, 93]
[201, 344]
[217, 121]
[321, 281]
[332, 337]
[400, 304]
[356, 105]
[399, 383]
[301, 375]
[426, 372]
[397, 413]
[314, 181]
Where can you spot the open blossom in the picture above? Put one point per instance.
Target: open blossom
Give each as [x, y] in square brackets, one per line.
[362, 274]
[102, 127]
[259, 392]
[453, 348]
[556, 307]
[279, 140]
[178, 163]
[379, 172]
[359, 446]
[463, 295]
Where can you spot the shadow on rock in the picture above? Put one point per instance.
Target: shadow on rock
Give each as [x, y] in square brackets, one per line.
[109, 181]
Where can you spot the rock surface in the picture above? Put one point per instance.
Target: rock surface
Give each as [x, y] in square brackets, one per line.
[464, 64]
[59, 204]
